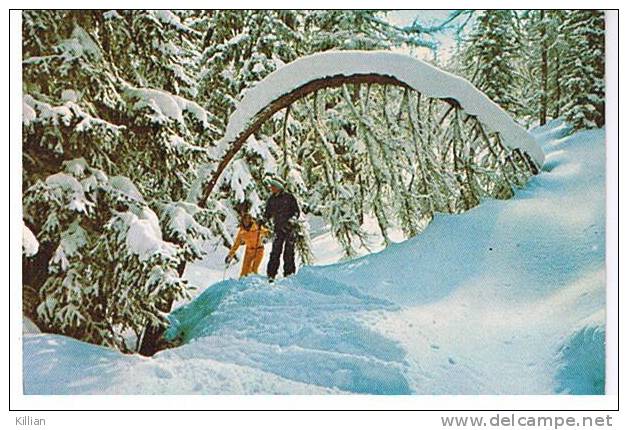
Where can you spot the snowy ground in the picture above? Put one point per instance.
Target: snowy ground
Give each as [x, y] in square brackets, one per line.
[507, 298]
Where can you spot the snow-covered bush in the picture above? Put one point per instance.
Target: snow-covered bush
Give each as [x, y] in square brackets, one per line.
[110, 271]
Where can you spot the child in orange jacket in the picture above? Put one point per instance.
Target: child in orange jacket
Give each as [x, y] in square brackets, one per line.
[250, 234]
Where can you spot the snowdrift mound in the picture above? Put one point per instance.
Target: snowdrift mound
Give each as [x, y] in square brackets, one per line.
[61, 365]
[302, 328]
[581, 361]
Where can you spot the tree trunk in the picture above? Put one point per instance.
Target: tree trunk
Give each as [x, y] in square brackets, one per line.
[544, 77]
[152, 340]
[34, 275]
[557, 83]
[284, 101]
[284, 142]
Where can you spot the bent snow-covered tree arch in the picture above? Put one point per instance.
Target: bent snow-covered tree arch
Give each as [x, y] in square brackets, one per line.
[310, 74]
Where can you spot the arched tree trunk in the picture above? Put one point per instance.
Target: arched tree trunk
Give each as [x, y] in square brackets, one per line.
[286, 100]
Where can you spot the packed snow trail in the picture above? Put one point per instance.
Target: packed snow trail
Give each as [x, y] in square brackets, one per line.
[301, 328]
[507, 298]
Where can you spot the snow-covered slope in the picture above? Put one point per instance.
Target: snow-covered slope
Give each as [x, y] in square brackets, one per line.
[506, 298]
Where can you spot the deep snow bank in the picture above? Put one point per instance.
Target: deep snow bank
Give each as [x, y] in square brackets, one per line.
[507, 298]
[61, 365]
[581, 360]
[302, 329]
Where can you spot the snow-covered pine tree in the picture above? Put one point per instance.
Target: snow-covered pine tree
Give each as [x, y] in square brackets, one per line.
[582, 75]
[347, 29]
[545, 36]
[110, 270]
[364, 148]
[331, 157]
[239, 48]
[541, 53]
[534, 67]
[93, 90]
[557, 63]
[152, 48]
[490, 57]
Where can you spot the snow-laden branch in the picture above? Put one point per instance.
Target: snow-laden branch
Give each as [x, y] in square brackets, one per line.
[328, 69]
[417, 74]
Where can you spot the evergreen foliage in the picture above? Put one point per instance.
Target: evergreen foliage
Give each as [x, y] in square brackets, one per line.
[539, 64]
[491, 55]
[583, 74]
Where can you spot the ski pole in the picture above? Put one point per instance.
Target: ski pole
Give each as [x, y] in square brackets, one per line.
[224, 272]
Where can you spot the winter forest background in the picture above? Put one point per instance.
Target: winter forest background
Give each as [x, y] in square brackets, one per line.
[122, 108]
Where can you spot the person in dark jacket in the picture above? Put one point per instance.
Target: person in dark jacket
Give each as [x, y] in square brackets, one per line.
[282, 208]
